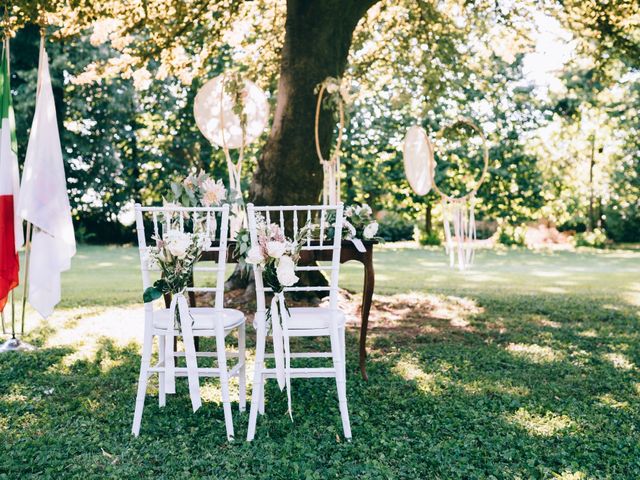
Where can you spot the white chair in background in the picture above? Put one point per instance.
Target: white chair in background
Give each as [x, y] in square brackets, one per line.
[305, 321]
[214, 321]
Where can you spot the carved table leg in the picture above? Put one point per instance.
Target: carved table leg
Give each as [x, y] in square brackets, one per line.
[367, 296]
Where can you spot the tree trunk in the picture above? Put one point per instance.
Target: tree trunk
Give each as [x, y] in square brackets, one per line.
[316, 45]
[317, 39]
[428, 222]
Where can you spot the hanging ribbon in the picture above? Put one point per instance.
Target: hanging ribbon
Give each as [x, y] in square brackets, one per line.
[459, 231]
[238, 218]
[331, 167]
[281, 351]
[179, 302]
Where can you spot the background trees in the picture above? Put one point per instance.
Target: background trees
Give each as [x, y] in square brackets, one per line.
[126, 78]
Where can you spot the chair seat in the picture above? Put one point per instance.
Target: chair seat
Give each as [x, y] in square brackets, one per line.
[303, 318]
[203, 318]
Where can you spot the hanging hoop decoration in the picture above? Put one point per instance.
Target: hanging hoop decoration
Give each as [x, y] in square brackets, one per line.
[458, 213]
[232, 112]
[417, 153]
[331, 167]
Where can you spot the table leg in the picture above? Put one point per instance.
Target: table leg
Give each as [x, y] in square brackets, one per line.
[367, 296]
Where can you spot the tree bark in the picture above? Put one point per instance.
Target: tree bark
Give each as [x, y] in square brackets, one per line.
[316, 45]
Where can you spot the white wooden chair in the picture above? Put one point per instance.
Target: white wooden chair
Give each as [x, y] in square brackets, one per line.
[214, 321]
[304, 321]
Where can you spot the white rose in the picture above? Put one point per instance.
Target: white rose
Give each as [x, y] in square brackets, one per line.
[178, 243]
[370, 230]
[254, 256]
[285, 272]
[366, 210]
[276, 249]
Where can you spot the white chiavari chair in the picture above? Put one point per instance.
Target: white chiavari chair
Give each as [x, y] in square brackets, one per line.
[210, 321]
[303, 321]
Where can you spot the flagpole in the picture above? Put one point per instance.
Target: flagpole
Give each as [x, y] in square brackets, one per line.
[25, 279]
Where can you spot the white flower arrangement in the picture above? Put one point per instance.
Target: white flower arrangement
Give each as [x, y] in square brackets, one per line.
[175, 255]
[276, 255]
[360, 223]
[199, 189]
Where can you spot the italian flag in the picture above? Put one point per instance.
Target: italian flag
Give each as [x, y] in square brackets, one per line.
[11, 237]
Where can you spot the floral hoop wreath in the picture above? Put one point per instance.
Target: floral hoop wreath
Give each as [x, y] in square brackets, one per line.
[458, 213]
[485, 157]
[330, 167]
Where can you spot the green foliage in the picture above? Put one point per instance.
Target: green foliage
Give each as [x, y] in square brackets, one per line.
[412, 62]
[421, 236]
[596, 238]
[511, 235]
[394, 227]
[153, 293]
[623, 225]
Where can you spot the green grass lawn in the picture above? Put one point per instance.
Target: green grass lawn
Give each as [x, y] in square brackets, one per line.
[111, 275]
[526, 367]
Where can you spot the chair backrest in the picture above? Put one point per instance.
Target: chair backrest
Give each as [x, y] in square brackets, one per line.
[153, 223]
[291, 219]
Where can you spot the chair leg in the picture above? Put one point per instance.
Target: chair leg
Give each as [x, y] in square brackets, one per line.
[261, 401]
[242, 374]
[169, 365]
[142, 383]
[257, 394]
[338, 365]
[344, 350]
[162, 394]
[224, 382]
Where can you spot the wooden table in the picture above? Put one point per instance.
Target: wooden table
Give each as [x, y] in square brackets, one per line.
[348, 253]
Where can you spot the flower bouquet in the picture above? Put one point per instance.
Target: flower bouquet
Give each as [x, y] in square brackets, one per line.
[199, 189]
[276, 255]
[358, 224]
[175, 255]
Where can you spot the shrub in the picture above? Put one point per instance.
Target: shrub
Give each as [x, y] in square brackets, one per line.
[596, 239]
[623, 226]
[511, 235]
[394, 227]
[421, 236]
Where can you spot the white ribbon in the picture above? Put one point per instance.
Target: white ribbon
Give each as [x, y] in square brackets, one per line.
[352, 234]
[459, 231]
[179, 300]
[281, 352]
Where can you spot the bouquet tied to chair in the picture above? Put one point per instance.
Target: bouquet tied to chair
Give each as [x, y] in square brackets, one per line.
[277, 257]
[175, 255]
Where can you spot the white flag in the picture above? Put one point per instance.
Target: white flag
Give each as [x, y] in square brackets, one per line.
[44, 201]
